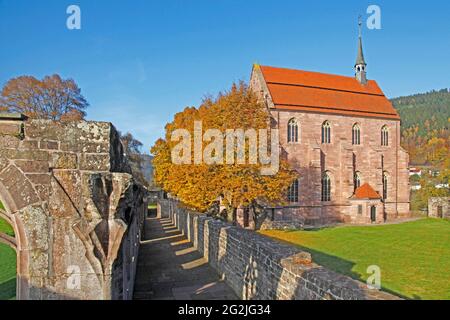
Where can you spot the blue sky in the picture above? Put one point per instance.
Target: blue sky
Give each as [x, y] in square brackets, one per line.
[140, 61]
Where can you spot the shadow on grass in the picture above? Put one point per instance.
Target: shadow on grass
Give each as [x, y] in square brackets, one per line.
[340, 266]
[8, 289]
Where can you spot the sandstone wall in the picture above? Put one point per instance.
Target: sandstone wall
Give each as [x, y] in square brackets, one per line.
[75, 208]
[439, 207]
[257, 267]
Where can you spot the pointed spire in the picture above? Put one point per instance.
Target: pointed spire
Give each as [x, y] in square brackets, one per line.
[360, 65]
[360, 58]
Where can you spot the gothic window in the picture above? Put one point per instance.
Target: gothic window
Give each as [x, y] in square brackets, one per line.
[293, 192]
[326, 132]
[357, 180]
[292, 131]
[384, 136]
[385, 185]
[326, 187]
[356, 135]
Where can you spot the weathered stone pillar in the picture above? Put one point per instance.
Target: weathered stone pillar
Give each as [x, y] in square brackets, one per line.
[75, 208]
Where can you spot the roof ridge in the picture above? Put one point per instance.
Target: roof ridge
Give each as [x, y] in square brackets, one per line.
[331, 108]
[316, 72]
[325, 88]
[366, 191]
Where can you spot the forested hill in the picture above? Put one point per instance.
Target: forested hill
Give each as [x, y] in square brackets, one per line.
[432, 107]
[425, 126]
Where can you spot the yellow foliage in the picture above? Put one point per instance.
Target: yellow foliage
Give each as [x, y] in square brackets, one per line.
[198, 186]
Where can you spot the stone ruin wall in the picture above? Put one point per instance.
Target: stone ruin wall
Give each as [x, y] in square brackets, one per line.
[75, 208]
[259, 268]
[439, 207]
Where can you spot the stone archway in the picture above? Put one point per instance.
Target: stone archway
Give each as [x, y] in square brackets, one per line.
[13, 214]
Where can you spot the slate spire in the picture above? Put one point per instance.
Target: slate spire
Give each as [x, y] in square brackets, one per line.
[360, 65]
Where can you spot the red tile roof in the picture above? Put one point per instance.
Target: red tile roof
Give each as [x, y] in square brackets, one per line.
[326, 93]
[366, 192]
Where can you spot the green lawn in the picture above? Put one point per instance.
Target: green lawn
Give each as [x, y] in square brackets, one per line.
[7, 264]
[7, 272]
[5, 227]
[414, 257]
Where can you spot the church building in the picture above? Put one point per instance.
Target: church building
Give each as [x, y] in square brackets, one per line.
[342, 135]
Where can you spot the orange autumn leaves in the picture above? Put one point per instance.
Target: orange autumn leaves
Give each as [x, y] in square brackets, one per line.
[199, 186]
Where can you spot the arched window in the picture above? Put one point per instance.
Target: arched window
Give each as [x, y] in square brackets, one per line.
[357, 180]
[326, 187]
[356, 135]
[385, 185]
[293, 192]
[384, 136]
[292, 131]
[326, 132]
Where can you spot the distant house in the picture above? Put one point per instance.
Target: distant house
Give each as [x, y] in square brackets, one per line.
[434, 173]
[415, 171]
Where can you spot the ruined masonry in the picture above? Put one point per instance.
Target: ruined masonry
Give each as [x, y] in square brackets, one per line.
[74, 207]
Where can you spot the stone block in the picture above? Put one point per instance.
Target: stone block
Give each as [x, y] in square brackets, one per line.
[31, 166]
[49, 145]
[3, 163]
[29, 144]
[18, 187]
[37, 155]
[7, 141]
[64, 160]
[39, 178]
[95, 162]
[11, 128]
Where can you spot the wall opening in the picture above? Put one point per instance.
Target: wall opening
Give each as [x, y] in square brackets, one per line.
[8, 258]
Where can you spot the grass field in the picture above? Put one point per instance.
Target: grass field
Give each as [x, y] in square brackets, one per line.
[7, 264]
[7, 272]
[414, 257]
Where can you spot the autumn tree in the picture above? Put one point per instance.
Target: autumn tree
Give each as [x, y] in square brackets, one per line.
[50, 98]
[200, 185]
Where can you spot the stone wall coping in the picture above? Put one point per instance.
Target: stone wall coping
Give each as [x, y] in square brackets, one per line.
[13, 116]
[297, 264]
